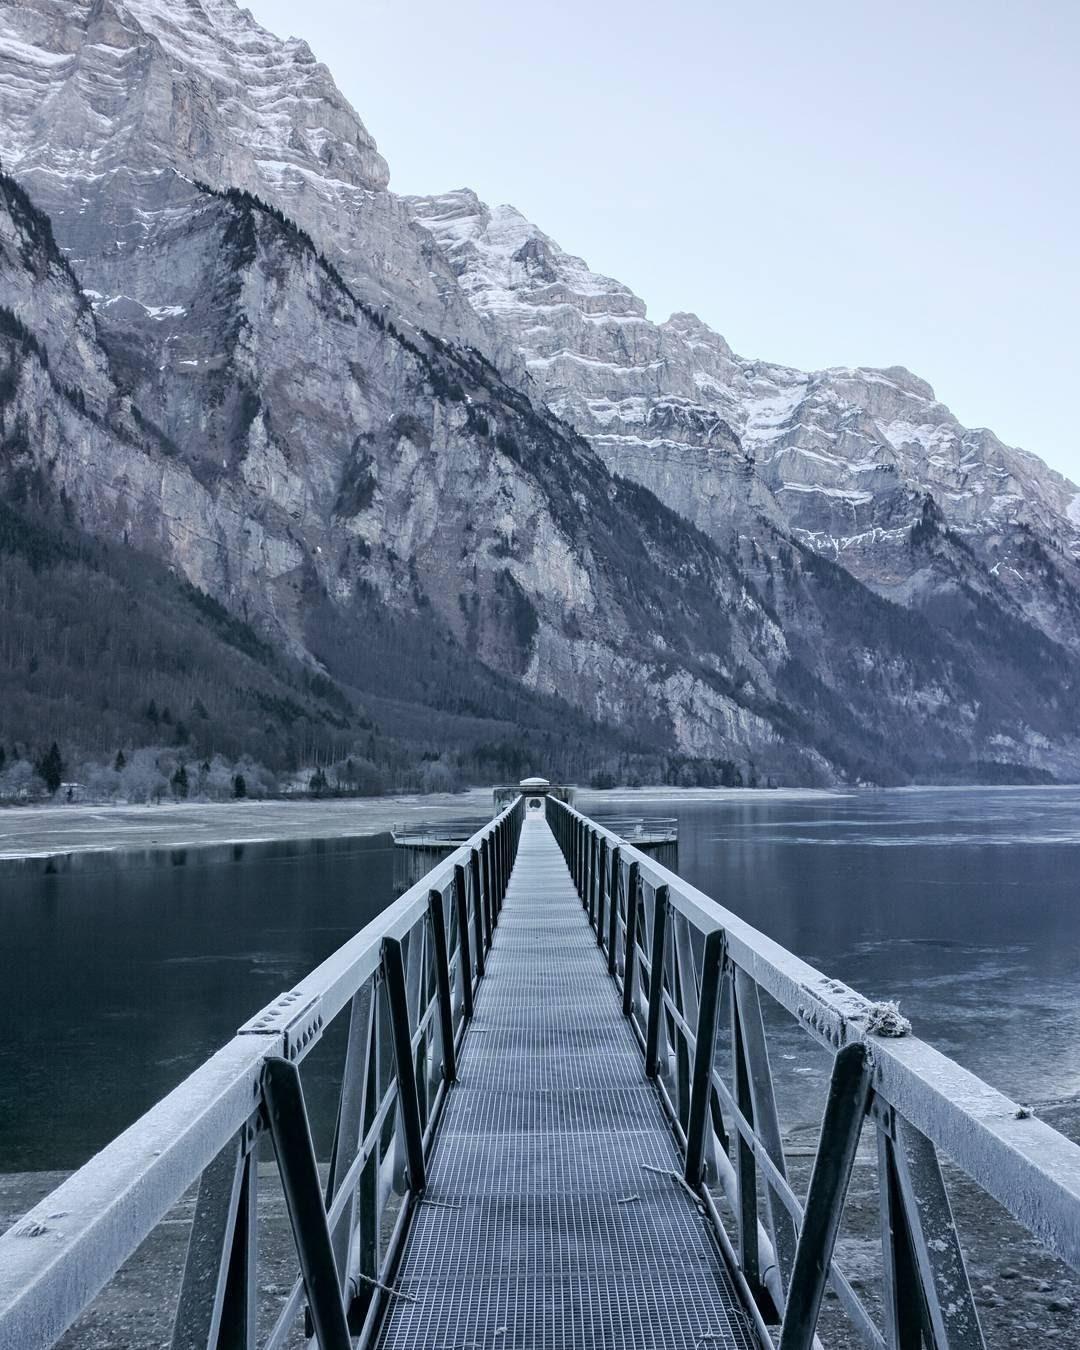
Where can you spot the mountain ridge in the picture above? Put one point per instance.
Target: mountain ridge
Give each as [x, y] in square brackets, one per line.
[338, 441]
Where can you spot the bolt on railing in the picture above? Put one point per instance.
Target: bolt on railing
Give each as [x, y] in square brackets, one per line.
[687, 969]
[407, 981]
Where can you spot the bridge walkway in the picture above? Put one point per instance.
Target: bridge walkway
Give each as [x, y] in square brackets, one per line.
[542, 1224]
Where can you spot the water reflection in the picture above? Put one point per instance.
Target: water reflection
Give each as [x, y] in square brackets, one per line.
[963, 904]
[960, 903]
[126, 979]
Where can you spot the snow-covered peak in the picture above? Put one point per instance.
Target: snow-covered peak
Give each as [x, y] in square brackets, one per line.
[894, 377]
[100, 99]
[504, 261]
[197, 83]
[842, 457]
[695, 332]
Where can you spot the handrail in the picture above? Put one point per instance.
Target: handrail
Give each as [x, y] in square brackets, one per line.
[413, 969]
[678, 957]
[634, 826]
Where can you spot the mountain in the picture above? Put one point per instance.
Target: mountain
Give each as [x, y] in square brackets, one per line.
[485, 502]
[844, 460]
[106, 103]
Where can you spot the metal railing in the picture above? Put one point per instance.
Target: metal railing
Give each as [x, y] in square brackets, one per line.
[685, 967]
[655, 829]
[407, 981]
[435, 833]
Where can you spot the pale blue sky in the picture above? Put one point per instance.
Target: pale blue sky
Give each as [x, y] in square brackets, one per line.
[829, 183]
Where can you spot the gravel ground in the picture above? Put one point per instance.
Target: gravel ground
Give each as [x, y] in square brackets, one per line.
[1025, 1297]
[135, 1311]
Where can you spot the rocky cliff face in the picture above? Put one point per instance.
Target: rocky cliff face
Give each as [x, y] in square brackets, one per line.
[102, 98]
[299, 456]
[225, 343]
[844, 460]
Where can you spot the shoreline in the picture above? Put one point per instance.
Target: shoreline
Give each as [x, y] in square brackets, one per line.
[40, 833]
[65, 831]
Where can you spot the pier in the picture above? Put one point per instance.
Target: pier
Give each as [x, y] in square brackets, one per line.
[421, 844]
[556, 1127]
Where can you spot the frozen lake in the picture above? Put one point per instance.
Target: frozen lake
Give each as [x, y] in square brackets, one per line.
[962, 903]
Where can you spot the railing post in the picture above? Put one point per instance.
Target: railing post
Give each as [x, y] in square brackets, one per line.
[704, 1053]
[594, 859]
[485, 891]
[601, 892]
[349, 1129]
[478, 911]
[687, 979]
[240, 1313]
[415, 964]
[939, 1261]
[216, 1308]
[745, 1165]
[904, 1305]
[303, 1197]
[841, 1126]
[576, 827]
[492, 884]
[656, 980]
[442, 980]
[633, 881]
[461, 903]
[578, 845]
[613, 906]
[766, 1119]
[408, 1099]
[365, 1255]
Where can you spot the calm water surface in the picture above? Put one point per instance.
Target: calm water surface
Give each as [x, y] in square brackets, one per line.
[126, 979]
[963, 904]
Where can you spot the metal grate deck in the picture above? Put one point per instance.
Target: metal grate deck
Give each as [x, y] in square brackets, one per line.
[540, 1226]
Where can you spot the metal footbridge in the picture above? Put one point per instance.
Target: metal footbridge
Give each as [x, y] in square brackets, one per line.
[556, 1127]
[554, 1212]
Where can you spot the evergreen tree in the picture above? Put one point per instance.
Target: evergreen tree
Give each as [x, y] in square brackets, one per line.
[179, 782]
[152, 712]
[239, 786]
[120, 761]
[3, 757]
[318, 783]
[51, 768]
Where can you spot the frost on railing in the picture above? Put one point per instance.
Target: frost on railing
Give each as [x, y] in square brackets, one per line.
[706, 995]
[279, 1246]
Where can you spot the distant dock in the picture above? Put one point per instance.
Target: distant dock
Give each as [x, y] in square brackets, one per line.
[420, 845]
